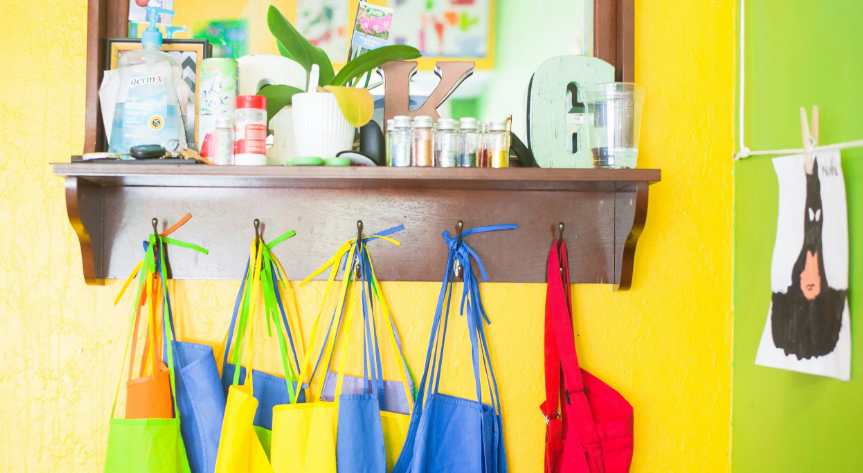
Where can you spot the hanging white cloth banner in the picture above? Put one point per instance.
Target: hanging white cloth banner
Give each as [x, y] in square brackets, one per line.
[808, 325]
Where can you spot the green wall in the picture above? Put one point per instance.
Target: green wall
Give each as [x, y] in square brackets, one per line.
[798, 53]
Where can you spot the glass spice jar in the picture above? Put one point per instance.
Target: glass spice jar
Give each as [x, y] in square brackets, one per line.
[469, 142]
[446, 149]
[401, 142]
[423, 141]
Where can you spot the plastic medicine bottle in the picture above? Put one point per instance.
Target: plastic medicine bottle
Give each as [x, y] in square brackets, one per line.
[250, 130]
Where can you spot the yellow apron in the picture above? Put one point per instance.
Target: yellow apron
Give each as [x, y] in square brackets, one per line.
[304, 435]
[240, 450]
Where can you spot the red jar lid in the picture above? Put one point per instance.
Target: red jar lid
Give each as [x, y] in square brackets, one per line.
[252, 101]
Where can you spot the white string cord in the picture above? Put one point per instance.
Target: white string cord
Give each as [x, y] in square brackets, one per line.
[746, 152]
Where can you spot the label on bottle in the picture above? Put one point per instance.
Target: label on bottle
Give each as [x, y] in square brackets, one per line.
[144, 115]
[218, 93]
[251, 138]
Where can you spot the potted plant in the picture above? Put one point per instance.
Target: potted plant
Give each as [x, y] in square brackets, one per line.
[355, 105]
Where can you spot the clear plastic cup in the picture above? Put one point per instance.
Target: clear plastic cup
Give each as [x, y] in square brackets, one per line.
[614, 123]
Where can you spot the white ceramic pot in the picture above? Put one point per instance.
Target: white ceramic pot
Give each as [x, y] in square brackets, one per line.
[320, 129]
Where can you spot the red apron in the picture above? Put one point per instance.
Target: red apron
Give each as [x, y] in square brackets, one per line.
[589, 423]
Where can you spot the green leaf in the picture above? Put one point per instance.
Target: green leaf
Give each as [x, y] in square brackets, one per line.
[357, 105]
[289, 38]
[278, 97]
[284, 51]
[372, 59]
[319, 57]
[292, 44]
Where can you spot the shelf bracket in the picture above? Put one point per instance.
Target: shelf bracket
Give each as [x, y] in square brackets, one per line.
[630, 209]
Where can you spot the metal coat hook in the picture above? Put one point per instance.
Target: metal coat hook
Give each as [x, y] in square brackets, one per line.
[458, 269]
[560, 228]
[559, 234]
[257, 224]
[359, 246]
[155, 223]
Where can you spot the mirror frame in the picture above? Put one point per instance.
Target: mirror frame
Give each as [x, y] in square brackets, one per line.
[613, 41]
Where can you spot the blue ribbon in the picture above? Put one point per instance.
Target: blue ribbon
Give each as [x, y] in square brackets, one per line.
[463, 253]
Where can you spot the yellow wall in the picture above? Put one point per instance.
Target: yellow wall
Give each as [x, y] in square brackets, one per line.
[665, 344]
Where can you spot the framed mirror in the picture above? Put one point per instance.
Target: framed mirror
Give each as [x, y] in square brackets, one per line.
[507, 39]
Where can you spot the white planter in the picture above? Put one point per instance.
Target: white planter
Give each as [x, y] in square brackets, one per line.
[320, 129]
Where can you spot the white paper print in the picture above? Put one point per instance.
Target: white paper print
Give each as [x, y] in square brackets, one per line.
[808, 325]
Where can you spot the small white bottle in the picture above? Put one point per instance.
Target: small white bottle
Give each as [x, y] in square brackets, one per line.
[223, 141]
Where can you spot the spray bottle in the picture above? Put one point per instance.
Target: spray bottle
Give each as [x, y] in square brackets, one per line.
[147, 110]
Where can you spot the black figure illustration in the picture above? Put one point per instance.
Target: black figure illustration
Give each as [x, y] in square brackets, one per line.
[808, 315]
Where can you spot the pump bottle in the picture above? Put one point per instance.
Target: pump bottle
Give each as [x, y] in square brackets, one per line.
[147, 110]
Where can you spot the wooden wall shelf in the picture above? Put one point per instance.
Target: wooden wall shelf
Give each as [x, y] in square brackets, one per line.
[110, 206]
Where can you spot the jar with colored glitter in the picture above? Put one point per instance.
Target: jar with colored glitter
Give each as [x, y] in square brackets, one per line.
[388, 140]
[482, 151]
[400, 142]
[496, 144]
[446, 150]
[470, 142]
[423, 141]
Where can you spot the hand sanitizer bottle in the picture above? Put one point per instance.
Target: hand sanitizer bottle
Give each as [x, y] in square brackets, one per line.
[147, 110]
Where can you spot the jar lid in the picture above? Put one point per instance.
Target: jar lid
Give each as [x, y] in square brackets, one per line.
[402, 121]
[423, 121]
[446, 124]
[467, 123]
[497, 125]
[223, 121]
[390, 123]
[252, 101]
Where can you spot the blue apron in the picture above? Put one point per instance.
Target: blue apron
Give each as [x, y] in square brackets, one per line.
[360, 439]
[199, 395]
[448, 434]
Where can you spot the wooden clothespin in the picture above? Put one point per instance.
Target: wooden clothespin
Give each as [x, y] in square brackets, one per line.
[810, 140]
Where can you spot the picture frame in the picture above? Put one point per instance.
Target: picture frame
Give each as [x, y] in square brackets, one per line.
[484, 11]
[190, 52]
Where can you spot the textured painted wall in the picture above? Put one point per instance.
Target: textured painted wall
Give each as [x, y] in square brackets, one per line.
[665, 345]
[786, 421]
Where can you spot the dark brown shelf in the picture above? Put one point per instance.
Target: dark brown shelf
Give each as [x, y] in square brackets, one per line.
[110, 206]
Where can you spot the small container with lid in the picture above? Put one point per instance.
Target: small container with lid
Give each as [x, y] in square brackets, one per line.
[388, 139]
[250, 130]
[400, 142]
[223, 141]
[446, 149]
[423, 141]
[496, 140]
[482, 150]
[470, 142]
